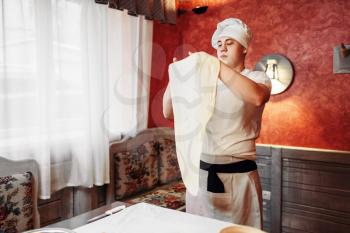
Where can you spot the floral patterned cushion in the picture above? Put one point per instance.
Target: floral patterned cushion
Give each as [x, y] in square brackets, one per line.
[16, 203]
[168, 165]
[136, 170]
[172, 197]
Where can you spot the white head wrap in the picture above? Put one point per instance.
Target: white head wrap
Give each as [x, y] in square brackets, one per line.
[233, 28]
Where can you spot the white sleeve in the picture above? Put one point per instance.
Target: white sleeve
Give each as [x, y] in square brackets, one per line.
[261, 77]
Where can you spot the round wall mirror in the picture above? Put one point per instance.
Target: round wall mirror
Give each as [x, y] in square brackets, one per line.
[279, 69]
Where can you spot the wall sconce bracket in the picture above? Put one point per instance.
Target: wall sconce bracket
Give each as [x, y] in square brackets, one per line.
[341, 59]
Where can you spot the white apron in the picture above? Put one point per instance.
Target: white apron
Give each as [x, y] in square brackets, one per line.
[240, 204]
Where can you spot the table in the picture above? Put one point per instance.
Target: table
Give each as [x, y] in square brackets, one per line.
[147, 218]
[82, 219]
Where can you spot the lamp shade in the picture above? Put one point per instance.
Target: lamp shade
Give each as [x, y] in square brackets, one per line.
[279, 69]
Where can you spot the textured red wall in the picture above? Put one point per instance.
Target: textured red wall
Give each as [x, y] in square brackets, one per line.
[315, 110]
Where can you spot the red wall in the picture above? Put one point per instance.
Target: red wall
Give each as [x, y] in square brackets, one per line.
[315, 110]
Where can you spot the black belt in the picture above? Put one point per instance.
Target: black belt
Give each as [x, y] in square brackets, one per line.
[214, 184]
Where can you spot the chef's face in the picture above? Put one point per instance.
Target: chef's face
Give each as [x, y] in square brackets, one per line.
[230, 51]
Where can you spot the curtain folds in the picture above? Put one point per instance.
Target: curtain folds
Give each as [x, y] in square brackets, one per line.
[131, 48]
[163, 10]
[69, 84]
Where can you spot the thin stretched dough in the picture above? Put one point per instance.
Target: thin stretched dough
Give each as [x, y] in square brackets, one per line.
[193, 83]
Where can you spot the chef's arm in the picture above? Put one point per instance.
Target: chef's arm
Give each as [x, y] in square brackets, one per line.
[167, 104]
[252, 92]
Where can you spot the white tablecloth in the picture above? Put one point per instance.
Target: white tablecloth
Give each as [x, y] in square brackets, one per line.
[146, 218]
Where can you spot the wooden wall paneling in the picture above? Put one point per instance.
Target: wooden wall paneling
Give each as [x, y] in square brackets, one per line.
[315, 191]
[111, 186]
[57, 208]
[263, 161]
[276, 184]
[70, 202]
[101, 195]
[85, 199]
[309, 191]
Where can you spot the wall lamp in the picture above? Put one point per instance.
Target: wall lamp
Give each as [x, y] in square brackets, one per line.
[279, 69]
[197, 6]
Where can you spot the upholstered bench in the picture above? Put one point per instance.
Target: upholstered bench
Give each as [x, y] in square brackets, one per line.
[144, 168]
[169, 196]
[18, 195]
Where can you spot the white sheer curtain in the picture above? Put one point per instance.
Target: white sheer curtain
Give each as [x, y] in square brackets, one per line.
[55, 89]
[130, 46]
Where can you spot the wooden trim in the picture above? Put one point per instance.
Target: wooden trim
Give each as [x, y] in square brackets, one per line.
[328, 156]
[263, 150]
[307, 149]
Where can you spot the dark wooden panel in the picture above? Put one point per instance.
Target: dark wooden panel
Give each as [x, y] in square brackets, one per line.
[57, 208]
[315, 212]
[266, 186]
[70, 202]
[101, 195]
[316, 165]
[290, 230]
[263, 161]
[266, 213]
[85, 199]
[317, 188]
[264, 169]
[262, 149]
[303, 223]
[329, 175]
[317, 199]
[315, 191]
[50, 213]
[264, 166]
[276, 184]
[332, 156]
